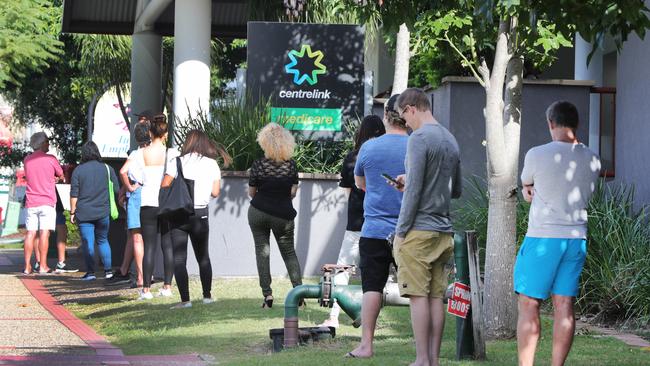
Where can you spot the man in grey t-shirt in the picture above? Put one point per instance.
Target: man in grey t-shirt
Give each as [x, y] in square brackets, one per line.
[423, 237]
[559, 179]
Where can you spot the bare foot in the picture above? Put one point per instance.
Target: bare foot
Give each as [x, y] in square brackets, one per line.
[360, 352]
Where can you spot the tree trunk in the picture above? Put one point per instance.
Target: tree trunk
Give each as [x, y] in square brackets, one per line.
[502, 136]
[402, 56]
[120, 101]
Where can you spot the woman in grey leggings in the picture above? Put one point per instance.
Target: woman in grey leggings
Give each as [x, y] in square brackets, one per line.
[273, 184]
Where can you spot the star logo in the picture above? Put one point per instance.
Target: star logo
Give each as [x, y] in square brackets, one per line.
[319, 68]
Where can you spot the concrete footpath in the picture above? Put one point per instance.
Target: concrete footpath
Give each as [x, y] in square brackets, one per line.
[35, 329]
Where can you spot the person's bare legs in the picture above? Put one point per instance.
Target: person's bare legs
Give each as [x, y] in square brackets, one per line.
[37, 252]
[138, 254]
[128, 255]
[564, 324]
[370, 306]
[421, 323]
[43, 244]
[528, 329]
[61, 241]
[28, 249]
[437, 327]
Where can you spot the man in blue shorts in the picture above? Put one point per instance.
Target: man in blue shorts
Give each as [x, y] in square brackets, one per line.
[559, 179]
[382, 155]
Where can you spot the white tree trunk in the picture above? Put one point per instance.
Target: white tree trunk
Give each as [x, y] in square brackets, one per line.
[502, 125]
[402, 56]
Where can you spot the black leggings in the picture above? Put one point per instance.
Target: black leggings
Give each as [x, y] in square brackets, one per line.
[151, 239]
[197, 228]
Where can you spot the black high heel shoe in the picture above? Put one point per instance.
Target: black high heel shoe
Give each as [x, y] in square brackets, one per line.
[268, 302]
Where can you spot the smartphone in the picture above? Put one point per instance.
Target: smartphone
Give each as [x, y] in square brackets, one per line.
[393, 180]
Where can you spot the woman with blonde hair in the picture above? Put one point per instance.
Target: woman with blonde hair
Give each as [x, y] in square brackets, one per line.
[273, 183]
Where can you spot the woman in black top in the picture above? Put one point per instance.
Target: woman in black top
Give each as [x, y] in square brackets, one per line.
[273, 184]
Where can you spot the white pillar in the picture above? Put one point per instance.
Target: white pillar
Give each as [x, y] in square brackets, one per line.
[592, 72]
[192, 26]
[146, 76]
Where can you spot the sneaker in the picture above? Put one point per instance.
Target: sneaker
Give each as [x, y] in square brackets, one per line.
[108, 274]
[165, 292]
[37, 267]
[61, 267]
[330, 322]
[145, 295]
[208, 300]
[119, 279]
[89, 276]
[182, 305]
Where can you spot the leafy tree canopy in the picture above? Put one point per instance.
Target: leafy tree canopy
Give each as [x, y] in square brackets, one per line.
[28, 38]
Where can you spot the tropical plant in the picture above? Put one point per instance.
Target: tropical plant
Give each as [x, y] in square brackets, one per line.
[234, 124]
[56, 98]
[28, 41]
[616, 277]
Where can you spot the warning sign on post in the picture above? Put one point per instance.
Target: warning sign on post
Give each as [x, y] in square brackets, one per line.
[458, 304]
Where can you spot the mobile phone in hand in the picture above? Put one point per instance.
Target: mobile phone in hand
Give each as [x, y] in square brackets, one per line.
[391, 179]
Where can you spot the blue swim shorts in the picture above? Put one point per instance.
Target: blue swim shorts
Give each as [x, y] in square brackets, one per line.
[548, 266]
[133, 209]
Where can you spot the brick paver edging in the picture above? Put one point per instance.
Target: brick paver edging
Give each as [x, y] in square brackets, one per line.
[76, 326]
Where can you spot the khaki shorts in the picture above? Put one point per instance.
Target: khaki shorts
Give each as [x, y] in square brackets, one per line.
[421, 260]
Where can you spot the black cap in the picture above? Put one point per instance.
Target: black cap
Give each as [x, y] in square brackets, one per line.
[391, 104]
[147, 113]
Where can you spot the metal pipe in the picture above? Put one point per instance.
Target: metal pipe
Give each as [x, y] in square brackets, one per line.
[291, 311]
[349, 299]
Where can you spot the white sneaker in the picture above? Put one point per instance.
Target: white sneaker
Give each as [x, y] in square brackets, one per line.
[208, 300]
[165, 292]
[181, 305]
[145, 295]
[330, 322]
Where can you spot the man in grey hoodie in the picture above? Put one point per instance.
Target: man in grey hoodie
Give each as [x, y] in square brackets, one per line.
[424, 236]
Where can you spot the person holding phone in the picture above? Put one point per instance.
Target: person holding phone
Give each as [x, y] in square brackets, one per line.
[423, 241]
[382, 155]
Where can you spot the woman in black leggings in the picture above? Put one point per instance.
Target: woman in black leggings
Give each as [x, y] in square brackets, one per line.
[198, 162]
[149, 163]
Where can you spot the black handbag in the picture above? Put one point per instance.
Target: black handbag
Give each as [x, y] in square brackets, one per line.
[177, 199]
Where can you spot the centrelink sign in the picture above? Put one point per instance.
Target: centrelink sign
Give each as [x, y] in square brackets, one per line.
[312, 73]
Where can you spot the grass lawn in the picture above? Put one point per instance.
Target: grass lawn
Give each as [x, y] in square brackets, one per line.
[235, 330]
[12, 246]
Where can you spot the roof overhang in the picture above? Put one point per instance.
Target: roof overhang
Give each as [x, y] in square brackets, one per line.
[229, 17]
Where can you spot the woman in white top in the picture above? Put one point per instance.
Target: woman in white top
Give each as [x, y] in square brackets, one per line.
[199, 165]
[150, 161]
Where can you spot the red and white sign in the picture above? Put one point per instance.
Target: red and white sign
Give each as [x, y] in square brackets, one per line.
[458, 303]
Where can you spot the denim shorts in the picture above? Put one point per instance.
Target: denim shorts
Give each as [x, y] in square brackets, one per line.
[548, 266]
[133, 209]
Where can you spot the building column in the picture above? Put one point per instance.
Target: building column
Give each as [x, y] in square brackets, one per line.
[192, 30]
[593, 71]
[146, 75]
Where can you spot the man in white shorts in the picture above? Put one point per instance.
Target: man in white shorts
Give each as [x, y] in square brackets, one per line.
[42, 171]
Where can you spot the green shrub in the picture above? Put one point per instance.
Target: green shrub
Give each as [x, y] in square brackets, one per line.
[235, 125]
[471, 211]
[616, 277]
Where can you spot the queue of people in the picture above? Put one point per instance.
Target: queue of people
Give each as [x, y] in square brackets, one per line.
[400, 179]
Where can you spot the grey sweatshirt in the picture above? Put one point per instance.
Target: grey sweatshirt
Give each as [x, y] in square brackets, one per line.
[433, 178]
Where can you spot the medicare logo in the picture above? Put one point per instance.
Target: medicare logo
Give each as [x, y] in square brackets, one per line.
[319, 68]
